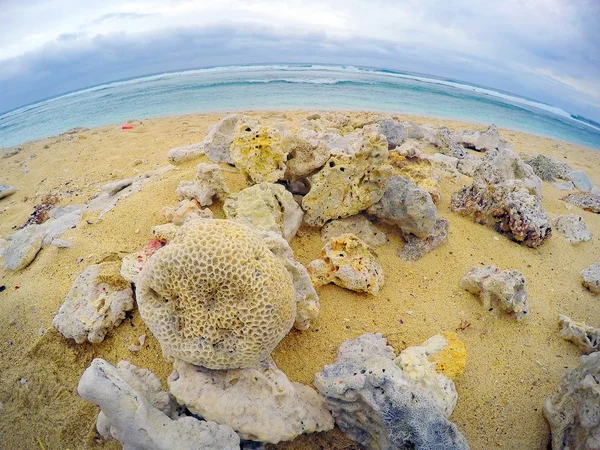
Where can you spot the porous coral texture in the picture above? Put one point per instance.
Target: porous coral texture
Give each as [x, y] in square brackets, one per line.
[216, 296]
[348, 184]
[348, 262]
[259, 152]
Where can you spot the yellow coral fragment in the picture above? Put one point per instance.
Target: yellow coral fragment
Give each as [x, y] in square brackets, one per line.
[452, 359]
[419, 171]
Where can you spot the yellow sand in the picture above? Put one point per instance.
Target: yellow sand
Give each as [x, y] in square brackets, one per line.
[511, 366]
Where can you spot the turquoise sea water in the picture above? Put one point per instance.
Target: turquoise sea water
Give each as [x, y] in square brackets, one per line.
[288, 86]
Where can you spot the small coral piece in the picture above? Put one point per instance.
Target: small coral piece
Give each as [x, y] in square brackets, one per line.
[348, 184]
[381, 406]
[265, 206]
[23, 246]
[572, 227]
[215, 145]
[259, 152]
[587, 338]
[590, 278]
[138, 414]
[97, 302]
[185, 211]
[304, 157]
[574, 410]
[358, 225]
[259, 403]
[216, 296]
[547, 167]
[504, 289]
[586, 200]
[347, 262]
[208, 184]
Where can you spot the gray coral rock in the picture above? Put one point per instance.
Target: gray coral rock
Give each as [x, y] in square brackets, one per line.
[393, 131]
[468, 165]
[97, 302]
[574, 411]
[504, 289]
[358, 225]
[586, 200]
[587, 338]
[547, 167]
[407, 206]
[565, 186]
[507, 207]
[265, 206]
[376, 404]
[23, 246]
[572, 227]
[415, 248]
[591, 278]
[497, 167]
[260, 403]
[215, 145]
[6, 190]
[581, 180]
[476, 140]
[131, 417]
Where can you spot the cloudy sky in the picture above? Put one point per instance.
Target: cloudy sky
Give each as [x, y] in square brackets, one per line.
[548, 50]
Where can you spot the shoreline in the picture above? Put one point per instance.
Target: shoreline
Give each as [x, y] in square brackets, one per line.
[511, 366]
[302, 110]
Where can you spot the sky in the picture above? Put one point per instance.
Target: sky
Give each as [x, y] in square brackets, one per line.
[547, 50]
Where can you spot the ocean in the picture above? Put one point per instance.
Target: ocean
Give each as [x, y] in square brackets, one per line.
[291, 86]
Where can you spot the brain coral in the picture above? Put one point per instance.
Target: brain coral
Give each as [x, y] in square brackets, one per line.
[216, 296]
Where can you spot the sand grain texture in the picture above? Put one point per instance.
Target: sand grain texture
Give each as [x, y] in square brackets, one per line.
[511, 366]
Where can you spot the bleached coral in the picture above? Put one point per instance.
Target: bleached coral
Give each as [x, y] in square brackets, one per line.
[504, 289]
[347, 261]
[587, 338]
[216, 296]
[358, 225]
[265, 206]
[260, 403]
[97, 302]
[136, 413]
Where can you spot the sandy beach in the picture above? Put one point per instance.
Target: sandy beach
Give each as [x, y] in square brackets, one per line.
[511, 366]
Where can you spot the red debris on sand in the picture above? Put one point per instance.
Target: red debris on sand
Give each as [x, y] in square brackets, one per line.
[126, 127]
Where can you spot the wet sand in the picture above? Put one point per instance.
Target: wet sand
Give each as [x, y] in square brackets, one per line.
[511, 367]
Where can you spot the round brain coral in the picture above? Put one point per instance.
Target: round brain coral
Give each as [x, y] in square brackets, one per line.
[216, 296]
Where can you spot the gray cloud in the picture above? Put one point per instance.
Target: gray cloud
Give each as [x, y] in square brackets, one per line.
[548, 54]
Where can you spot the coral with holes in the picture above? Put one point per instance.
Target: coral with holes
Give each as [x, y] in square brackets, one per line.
[216, 296]
[358, 225]
[140, 416]
[547, 167]
[574, 411]
[209, 183]
[586, 200]
[265, 206]
[347, 261]
[97, 302]
[433, 365]
[377, 404]
[507, 207]
[304, 157]
[348, 184]
[259, 152]
[260, 403]
[504, 289]
[587, 338]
